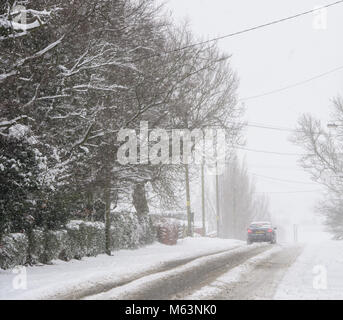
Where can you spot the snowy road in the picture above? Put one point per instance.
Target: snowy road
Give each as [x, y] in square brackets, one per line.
[257, 278]
[261, 271]
[196, 276]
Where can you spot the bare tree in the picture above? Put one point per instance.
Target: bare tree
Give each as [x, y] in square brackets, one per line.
[323, 160]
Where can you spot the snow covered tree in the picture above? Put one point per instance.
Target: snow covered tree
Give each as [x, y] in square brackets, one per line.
[19, 177]
[74, 73]
[323, 160]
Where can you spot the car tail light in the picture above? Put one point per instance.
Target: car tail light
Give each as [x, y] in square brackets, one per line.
[249, 231]
[270, 230]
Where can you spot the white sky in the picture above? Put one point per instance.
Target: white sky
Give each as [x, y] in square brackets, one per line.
[269, 59]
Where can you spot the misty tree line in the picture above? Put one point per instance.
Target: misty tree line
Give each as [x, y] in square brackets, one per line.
[71, 77]
[240, 204]
[239, 201]
[323, 143]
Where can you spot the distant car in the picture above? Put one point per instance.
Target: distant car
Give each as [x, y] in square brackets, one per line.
[261, 231]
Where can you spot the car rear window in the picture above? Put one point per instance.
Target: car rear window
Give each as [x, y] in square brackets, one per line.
[260, 225]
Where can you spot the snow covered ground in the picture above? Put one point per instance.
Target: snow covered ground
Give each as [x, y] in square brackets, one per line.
[316, 274]
[164, 285]
[234, 275]
[62, 278]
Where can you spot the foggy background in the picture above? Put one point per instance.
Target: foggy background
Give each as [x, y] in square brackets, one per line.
[269, 59]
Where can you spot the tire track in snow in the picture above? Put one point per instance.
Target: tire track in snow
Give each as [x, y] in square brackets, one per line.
[165, 285]
[98, 288]
[257, 278]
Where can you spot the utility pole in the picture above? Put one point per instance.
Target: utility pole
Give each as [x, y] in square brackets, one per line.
[234, 200]
[203, 199]
[203, 187]
[234, 216]
[295, 232]
[188, 203]
[217, 199]
[217, 184]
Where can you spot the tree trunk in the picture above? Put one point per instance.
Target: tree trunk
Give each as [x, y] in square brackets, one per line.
[107, 196]
[90, 206]
[139, 199]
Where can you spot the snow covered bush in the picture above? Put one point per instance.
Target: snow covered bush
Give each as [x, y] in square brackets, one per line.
[88, 238]
[78, 239]
[125, 231]
[45, 246]
[147, 230]
[56, 243]
[94, 238]
[19, 169]
[36, 246]
[83, 238]
[129, 231]
[13, 250]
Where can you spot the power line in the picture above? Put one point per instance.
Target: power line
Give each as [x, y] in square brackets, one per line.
[271, 167]
[268, 126]
[246, 30]
[270, 93]
[281, 180]
[288, 192]
[271, 127]
[265, 126]
[271, 152]
[292, 85]
[240, 147]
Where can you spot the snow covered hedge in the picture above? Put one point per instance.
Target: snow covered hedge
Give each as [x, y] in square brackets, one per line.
[129, 231]
[79, 239]
[13, 250]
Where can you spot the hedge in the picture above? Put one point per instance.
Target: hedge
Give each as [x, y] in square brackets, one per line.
[78, 239]
[13, 250]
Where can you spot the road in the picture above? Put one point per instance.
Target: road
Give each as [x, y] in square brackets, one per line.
[259, 281]
[249, 272]
[263, 282]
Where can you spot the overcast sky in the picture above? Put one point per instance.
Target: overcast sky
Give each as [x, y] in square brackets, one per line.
[269, 59]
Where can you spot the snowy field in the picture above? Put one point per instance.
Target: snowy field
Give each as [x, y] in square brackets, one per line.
[61, 278]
